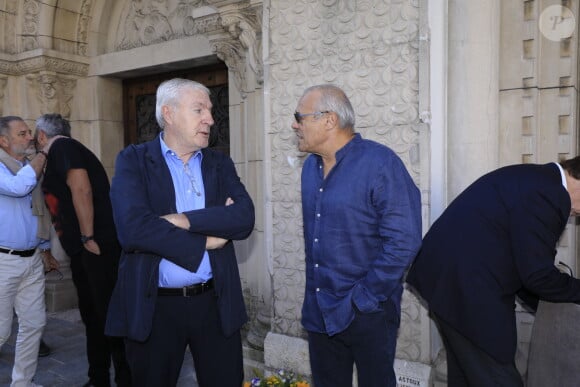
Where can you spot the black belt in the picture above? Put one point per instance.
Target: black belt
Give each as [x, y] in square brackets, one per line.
[22, 253]
[187, 291]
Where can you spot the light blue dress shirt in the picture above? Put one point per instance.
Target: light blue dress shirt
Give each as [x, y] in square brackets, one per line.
[189, 195]
[18, 227]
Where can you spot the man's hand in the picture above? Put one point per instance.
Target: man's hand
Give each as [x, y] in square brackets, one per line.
[178, 220]
[93, 247]
[49, 261]
[181, 221]
[213, 243]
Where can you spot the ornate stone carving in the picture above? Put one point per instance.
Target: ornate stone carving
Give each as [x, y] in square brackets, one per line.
[30, 25]
[53, 91]
[152, 21]
[83, 27]
[47, 63]
[246, 27]
[234, 33]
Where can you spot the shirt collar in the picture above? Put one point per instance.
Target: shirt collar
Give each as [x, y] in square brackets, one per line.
[563, 175]
[167, 151]
[342, 151]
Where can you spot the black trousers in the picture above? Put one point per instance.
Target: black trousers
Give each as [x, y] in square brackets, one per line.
[369, 342]
[469, 365]
[94, 277]
[180, 322]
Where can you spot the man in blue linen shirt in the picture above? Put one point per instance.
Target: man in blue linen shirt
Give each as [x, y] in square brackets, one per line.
[21, 262]
[362, 229]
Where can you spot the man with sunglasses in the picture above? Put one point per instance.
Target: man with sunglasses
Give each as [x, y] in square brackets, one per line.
[362, 228]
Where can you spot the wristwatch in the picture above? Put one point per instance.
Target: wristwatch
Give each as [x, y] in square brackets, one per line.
[85, 238]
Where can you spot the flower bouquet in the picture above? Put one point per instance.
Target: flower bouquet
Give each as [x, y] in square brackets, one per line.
[282, 378]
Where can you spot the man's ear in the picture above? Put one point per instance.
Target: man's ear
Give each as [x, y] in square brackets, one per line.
[331, 120]
[166, 112]
[4, 143]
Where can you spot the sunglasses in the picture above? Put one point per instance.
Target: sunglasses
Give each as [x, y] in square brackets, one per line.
[298, 117]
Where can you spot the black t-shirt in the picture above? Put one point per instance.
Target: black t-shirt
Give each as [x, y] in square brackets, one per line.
[66, 154]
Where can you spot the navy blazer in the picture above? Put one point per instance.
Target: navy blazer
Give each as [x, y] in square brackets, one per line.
[495, 240]
[141, 191]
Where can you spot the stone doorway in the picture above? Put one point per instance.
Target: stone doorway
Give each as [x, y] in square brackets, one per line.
[139, 104]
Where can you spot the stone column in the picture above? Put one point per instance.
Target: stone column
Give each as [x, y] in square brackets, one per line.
[473, 92]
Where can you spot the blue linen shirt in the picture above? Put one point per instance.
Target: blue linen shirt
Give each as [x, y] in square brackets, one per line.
[362, 229]
[18, 226]
[186, 198]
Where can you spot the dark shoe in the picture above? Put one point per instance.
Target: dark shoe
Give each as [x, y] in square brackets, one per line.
[44, 349]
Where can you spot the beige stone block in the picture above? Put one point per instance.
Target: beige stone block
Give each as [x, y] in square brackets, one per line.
[513, 65]
[286, 352]
[60, 295]
[65, 25]
[70, 5]
[254, 183]
[556, 137]
[98, 98]
[514, 123]
[112, 141]
[237, 133]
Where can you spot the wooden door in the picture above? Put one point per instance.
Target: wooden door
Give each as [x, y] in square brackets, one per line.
[139, 104]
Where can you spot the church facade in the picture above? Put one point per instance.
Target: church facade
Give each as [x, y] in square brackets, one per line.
[456, 88]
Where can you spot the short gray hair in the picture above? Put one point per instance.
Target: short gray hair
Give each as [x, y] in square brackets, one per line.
[168, 94]
[5, 124]
[334, 99]
[53, 125]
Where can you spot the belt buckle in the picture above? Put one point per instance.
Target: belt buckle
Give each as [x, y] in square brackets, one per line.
[184, 291]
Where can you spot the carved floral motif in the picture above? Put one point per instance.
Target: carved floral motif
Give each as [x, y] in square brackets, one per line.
[30, 25]
[54, 92]
[234, 35]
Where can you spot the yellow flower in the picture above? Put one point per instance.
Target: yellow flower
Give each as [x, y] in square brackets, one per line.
[246, 384]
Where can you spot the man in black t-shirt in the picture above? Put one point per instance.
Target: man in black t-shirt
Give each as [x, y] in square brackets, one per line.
[76, 190]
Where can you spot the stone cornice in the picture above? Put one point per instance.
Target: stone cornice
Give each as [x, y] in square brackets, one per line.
[44, 60]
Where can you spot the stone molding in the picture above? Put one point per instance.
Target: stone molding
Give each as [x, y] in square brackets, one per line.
[42, 60]
[234, 32]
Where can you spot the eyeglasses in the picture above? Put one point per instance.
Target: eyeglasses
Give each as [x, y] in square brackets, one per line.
[298, 117]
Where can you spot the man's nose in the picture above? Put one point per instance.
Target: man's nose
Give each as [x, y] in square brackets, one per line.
[209, 119]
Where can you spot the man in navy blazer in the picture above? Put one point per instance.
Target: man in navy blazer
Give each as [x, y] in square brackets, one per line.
[177, 207]
[496, 240]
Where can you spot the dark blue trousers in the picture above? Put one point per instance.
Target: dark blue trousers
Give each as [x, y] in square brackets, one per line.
[469, 366]
[369, 343]
[180, 322]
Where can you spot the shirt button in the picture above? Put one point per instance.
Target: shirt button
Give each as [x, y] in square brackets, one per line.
[317, 289]
[321, 189]
[315, 240]
[318, 215]
[316, 265]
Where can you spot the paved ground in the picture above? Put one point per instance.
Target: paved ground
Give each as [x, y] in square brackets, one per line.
[67, 364]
